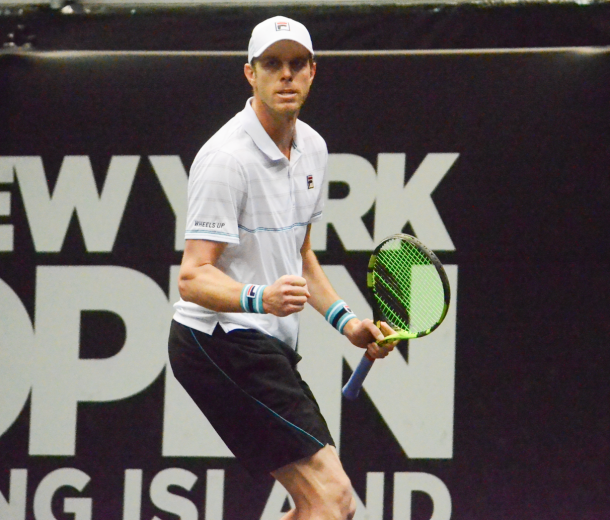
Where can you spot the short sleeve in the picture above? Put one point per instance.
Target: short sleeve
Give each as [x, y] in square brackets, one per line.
[216, 197]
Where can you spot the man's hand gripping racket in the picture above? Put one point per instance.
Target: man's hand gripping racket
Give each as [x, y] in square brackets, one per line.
[410, 292]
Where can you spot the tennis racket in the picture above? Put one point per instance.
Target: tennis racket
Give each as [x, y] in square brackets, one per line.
[410, 292]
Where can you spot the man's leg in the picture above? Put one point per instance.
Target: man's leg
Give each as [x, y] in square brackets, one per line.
[319, 486]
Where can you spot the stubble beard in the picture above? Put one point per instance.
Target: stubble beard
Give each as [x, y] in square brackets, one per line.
[283, 110]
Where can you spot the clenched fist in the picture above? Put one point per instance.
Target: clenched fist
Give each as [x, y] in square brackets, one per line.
[286, 295]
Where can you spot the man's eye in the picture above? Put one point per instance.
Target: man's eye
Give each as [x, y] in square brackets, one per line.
[298, 64]
[271, 64]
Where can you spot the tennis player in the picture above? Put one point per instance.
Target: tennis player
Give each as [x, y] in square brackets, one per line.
[248, 269]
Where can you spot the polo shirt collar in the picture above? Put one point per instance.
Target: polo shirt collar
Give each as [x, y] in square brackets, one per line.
[261, 138]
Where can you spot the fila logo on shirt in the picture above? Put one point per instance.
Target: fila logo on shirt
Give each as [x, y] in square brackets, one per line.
[282, 26]
[310, 182]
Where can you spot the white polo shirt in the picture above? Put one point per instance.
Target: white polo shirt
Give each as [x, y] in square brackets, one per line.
[243, 191]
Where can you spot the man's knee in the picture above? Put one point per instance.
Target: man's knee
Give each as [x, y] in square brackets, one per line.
[333, 501]
[341, 500]
[319, 486]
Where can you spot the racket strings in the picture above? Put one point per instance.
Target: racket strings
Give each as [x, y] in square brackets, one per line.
[392, 308]
[407, 287]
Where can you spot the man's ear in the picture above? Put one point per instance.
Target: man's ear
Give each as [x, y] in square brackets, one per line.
[313, 70]
[250, 73]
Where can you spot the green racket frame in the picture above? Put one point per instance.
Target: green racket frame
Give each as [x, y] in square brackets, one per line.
[376, 287]
[383, 286]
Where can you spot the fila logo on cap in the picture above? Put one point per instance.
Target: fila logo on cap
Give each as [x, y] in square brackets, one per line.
[274, 30]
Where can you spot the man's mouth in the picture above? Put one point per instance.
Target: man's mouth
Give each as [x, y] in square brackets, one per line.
[287, 93]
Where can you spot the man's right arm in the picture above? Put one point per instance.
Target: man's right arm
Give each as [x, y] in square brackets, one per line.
[201, 282]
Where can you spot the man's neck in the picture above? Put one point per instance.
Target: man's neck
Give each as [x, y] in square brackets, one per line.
[280, 127]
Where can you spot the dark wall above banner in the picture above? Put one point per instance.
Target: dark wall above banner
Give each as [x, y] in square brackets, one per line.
[102, 27]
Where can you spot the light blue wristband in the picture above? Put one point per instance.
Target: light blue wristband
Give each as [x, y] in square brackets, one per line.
[338, 314]
[251, 298]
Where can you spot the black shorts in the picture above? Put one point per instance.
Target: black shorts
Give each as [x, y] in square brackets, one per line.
[247, 385]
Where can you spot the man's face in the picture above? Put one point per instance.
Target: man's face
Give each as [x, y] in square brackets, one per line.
[281, 77]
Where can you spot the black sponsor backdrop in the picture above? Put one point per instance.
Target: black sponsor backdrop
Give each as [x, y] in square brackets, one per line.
[525, 205]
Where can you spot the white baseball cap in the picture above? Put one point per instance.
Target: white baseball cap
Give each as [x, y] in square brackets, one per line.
[275, 29]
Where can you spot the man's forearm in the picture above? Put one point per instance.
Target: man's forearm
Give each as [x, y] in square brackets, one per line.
[209, 287]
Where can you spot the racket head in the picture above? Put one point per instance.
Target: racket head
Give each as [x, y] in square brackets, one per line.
[408, 285]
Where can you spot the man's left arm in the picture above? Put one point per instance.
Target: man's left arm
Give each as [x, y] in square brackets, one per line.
[361, 333]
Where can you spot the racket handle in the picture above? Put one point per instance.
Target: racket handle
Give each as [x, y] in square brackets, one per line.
[351, 390]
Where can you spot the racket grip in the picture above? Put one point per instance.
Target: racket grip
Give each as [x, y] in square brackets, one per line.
[351, 390]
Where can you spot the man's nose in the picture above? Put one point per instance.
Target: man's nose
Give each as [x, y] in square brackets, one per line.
[286, 70]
